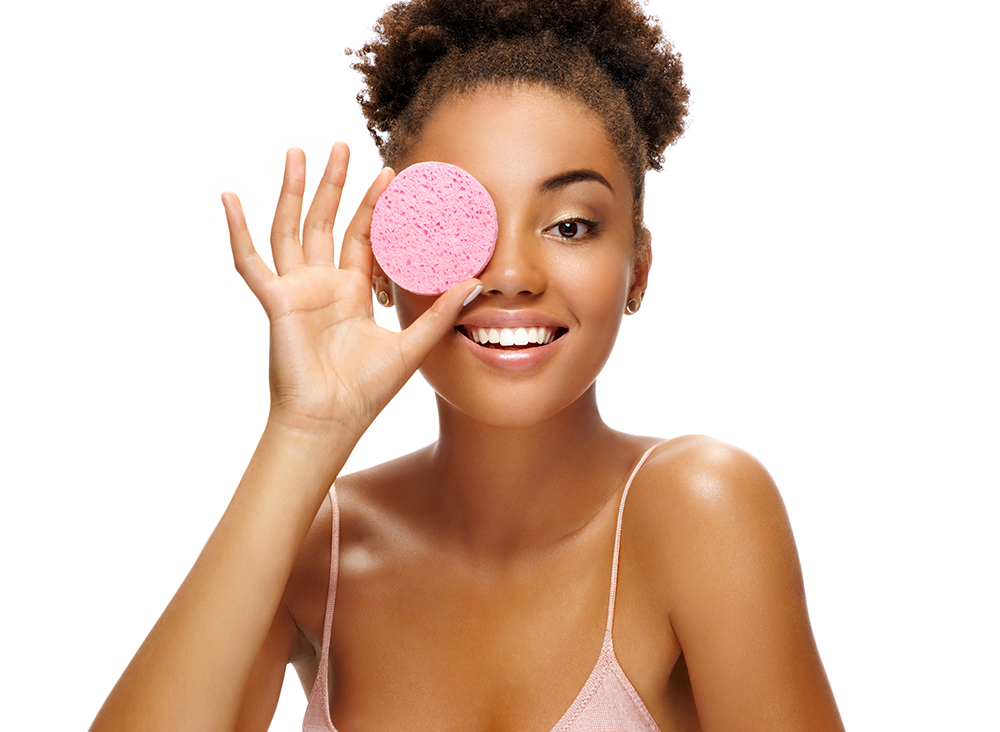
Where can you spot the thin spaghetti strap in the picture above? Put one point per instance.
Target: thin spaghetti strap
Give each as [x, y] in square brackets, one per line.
[618, 538]
[331, 593]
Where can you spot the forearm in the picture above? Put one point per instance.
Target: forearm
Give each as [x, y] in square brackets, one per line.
[191, 671]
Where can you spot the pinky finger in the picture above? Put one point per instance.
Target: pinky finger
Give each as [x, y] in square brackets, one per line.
[248, 263]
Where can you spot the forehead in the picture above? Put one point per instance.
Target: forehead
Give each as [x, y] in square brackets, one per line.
[518, 136]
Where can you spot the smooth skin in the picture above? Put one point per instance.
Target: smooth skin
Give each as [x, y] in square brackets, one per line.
[474, 573]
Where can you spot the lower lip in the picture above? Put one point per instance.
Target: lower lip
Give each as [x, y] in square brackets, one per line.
[513, 359]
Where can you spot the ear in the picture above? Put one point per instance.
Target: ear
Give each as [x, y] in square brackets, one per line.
[381, 284]
[642, 263]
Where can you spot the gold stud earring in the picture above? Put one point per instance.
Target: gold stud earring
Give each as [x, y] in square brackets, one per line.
[383, 298]
[632, 306]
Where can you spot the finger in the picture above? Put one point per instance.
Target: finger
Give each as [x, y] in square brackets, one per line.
[356, 254]
[424, 332]
[248, 263]
[285, 247]
[317, 234]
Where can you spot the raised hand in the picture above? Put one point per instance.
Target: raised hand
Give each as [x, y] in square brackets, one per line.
[332, 367]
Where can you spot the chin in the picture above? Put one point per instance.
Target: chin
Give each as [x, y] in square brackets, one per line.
[470, 386]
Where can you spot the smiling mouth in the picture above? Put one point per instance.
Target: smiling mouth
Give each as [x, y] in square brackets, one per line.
[519, 337]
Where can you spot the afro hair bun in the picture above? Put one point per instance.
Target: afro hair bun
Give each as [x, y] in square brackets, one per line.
[625, 43]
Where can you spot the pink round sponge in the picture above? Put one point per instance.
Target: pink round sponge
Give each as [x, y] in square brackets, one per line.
[433, 227]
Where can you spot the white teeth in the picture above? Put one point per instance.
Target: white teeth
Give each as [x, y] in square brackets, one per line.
[520, 336]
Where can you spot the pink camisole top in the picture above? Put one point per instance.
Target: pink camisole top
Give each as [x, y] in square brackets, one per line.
[607, 701]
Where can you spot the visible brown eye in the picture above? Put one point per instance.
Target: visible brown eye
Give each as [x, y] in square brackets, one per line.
[568, 228]
[573, 229]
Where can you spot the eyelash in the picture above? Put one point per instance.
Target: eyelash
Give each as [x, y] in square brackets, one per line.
[591, 227]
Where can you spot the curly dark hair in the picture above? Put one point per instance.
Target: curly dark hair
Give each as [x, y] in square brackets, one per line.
[605, 51]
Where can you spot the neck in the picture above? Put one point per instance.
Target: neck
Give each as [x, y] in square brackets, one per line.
[507, 490]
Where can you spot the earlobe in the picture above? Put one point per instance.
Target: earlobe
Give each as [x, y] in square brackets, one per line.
[640, 270]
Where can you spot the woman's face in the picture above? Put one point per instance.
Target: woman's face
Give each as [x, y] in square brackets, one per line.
[565, 261]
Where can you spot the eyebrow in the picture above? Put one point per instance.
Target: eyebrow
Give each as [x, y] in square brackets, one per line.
[574, 176]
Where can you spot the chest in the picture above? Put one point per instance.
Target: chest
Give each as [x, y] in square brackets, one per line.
[428, 641]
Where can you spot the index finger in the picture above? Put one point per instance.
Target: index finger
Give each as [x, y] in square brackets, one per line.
[356, 254]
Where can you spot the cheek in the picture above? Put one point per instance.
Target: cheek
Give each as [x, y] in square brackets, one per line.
[596, 286]
[409, 307]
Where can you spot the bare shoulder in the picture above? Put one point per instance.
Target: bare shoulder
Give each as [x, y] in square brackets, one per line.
[359, 500]
[697, 472]
[718, 552]
[306, 591]
[706, 509]
[696, 488]
[308, 585]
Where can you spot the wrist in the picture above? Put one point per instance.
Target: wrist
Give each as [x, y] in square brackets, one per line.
[309, 430]
[315, 456]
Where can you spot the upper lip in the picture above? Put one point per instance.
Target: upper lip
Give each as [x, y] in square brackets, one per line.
[508, 319]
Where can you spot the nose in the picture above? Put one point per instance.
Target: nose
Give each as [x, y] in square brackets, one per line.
[517, 266]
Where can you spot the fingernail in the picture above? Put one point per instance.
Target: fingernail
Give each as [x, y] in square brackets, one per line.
[472, 295]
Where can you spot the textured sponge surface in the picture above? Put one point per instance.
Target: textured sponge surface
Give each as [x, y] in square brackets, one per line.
[433, 227]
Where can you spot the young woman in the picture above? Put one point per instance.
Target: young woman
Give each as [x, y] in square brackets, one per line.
[497, 579]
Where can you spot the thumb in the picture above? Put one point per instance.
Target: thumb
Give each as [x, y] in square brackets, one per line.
[425, 332]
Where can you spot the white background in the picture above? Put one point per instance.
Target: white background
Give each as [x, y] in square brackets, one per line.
[824, 294]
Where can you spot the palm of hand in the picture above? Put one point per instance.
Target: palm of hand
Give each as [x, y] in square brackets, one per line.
[331, 365]
[328, 356]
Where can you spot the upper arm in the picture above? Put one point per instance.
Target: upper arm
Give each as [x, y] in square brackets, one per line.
[736, 599]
